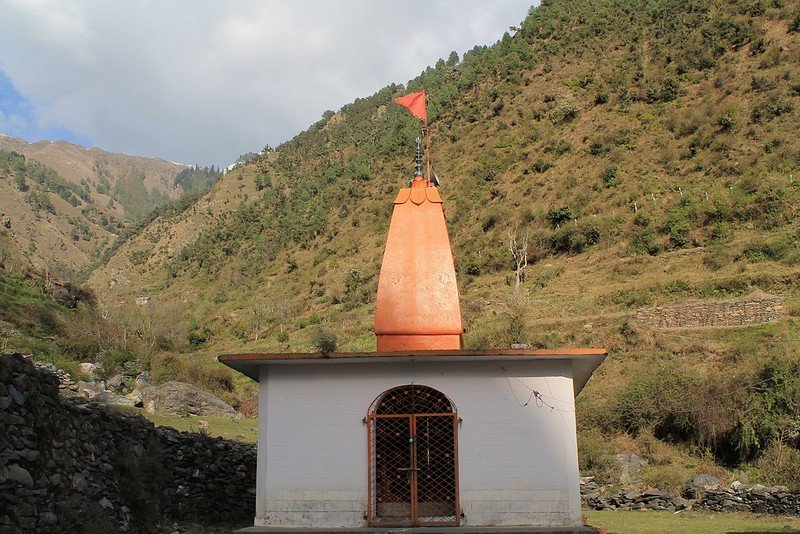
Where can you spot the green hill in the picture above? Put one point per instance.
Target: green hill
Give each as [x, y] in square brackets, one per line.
[648, 151]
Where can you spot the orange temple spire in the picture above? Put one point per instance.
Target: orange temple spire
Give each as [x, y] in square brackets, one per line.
[418, 304]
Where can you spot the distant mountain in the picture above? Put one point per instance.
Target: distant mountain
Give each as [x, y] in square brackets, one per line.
[64, 205]
[128, 185]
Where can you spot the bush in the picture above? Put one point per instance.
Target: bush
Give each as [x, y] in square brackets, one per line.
[595, 455]
[557, 216]
[655, 398]
[110, 360]
[794, 25]
[667, 478]
[574, 239]
[323, 340]
[610, 176]
[779, 464]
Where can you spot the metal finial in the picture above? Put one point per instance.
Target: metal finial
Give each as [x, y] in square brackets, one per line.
[418, 158]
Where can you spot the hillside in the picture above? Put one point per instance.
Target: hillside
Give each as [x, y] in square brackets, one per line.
[128, 185]
[648, 150]
[65, 204]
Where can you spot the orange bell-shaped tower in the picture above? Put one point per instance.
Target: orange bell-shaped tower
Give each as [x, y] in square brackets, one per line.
[417, 305]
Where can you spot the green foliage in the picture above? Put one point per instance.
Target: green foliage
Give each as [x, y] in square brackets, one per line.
[794, 24]
[112, 360]
[772, 412]
[131, 192]
[198, 178]
[656, 399]
[726, 122]
[40, 201]
[323, 340]
[574, 239]
[559, 215]
[610, 176]
[596, 454]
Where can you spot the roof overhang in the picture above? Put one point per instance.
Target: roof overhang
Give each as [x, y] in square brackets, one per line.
[583, 361]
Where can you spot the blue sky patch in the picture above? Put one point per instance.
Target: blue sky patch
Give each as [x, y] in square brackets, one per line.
[18, 118]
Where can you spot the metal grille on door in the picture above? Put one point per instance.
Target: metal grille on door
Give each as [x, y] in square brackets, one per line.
[413, 458]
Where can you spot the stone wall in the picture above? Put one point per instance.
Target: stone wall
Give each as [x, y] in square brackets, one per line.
[740, 312]
[68, 464]
[737, 497]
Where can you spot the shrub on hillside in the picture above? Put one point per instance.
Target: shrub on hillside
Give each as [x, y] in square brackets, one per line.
[596, 455]
[574, 239]
[323, 340]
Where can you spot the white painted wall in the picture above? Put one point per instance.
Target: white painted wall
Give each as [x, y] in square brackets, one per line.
[518, 464]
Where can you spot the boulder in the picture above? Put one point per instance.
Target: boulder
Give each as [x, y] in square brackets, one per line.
[115, 383]
[90, 389]
[106, 397]
[185, 399]
[21, 475]
[136, 397]
[88, 369]
[630, 466]
[704, 482]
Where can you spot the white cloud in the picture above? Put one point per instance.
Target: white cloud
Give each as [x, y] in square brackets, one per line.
[205, 81]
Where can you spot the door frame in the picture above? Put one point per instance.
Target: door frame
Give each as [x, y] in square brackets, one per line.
[413, 521]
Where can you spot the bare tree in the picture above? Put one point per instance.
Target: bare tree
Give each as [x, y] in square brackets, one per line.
[261, 312]
[519, 251]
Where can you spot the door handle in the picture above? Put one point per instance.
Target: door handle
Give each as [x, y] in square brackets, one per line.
[408, 469]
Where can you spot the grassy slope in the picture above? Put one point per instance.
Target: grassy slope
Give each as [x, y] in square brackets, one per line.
[647, 148]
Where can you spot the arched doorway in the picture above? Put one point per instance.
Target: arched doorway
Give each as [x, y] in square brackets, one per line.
[413, 458]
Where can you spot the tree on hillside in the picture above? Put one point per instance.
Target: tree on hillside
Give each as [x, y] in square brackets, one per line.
[519, 251]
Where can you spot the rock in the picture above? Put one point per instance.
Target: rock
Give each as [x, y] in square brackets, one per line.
[106, 397]
[79, 483]
[630, 465]
[21, 475]
[704, 482]
[115, 383]
[16, 395]
[105, 503]
[48, 518]
[136, 397]
[142, 380]
[89, 369]
[150, 407]
[520, 346]
[681, 503]
[90, 389]
[185, 399]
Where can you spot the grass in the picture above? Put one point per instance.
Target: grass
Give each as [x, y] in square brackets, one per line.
[630, 522]
[245, 430]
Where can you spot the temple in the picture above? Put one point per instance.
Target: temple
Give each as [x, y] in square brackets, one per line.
[421, 432]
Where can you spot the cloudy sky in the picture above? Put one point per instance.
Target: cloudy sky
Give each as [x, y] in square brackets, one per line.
[204, 81]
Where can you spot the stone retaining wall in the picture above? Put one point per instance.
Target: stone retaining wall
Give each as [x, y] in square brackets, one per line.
[68, 463]
[737, 497]
[751, 310]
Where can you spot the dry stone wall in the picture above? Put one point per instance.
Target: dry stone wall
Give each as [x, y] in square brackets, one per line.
[740, 312]
[69, 464]
[737, 497]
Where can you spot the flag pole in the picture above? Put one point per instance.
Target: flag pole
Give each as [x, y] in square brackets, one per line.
[427, 133]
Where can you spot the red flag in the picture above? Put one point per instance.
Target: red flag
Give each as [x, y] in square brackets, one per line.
[415, 103]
